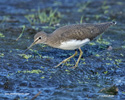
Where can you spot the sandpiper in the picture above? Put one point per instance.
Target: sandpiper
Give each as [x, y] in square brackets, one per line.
[71, 37]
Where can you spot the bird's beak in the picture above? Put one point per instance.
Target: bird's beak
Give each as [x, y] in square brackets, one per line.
[30, 47]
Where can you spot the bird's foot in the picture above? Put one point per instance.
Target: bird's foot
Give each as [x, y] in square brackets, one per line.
[65, 60]
[60, 63]
[57, 65]
[74, 66]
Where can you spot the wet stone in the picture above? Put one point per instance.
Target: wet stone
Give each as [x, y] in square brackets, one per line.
[113, 90]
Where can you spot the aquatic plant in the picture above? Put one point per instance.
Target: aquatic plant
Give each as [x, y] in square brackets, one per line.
[31, 71]
[100, 40]
[82, 6]
[21, 33]
[1, 54]
[49, 16]
[25, 56]
[1, 35]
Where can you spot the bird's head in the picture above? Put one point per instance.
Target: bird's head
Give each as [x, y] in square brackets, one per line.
[40, 37]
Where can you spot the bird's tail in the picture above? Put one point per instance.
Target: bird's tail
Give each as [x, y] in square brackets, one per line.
[113, 23]
[103, 26]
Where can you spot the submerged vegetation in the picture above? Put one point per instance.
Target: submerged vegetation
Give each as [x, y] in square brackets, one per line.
[100, 40]
[31, 71]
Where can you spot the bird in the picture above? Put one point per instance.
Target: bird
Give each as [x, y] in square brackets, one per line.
[71, 37]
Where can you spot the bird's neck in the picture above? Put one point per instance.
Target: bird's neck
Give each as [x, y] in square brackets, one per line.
[51, 40]
[48, 38]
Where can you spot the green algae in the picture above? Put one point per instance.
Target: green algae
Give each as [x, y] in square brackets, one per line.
[122, 55]
[1, 54]
[97, 55]
[1, 35]
[25, 56]
[108, 63]
[102, 41]
[105, 72]
[31, 71]
[123, 46]
[68, 64]
[42, 77]
[92, 43]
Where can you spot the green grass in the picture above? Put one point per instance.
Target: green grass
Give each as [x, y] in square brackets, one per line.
[4, 19]
[31, 18]
[81, 20]
[105, 6]
[82, 6]
[21, 33]
[48, 16]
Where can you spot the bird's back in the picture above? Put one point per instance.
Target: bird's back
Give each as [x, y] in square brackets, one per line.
[82, 31]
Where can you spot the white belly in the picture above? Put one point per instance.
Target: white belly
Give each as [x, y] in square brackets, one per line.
[73, 44]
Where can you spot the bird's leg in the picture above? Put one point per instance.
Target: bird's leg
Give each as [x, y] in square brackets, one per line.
[80, 55]
[65, 60]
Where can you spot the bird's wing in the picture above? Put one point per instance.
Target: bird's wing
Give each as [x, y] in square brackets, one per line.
[81, 31]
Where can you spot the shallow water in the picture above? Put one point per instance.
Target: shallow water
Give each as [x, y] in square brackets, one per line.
[102, 64]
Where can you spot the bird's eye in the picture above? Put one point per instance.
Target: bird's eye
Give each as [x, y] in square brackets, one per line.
[40, 37]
